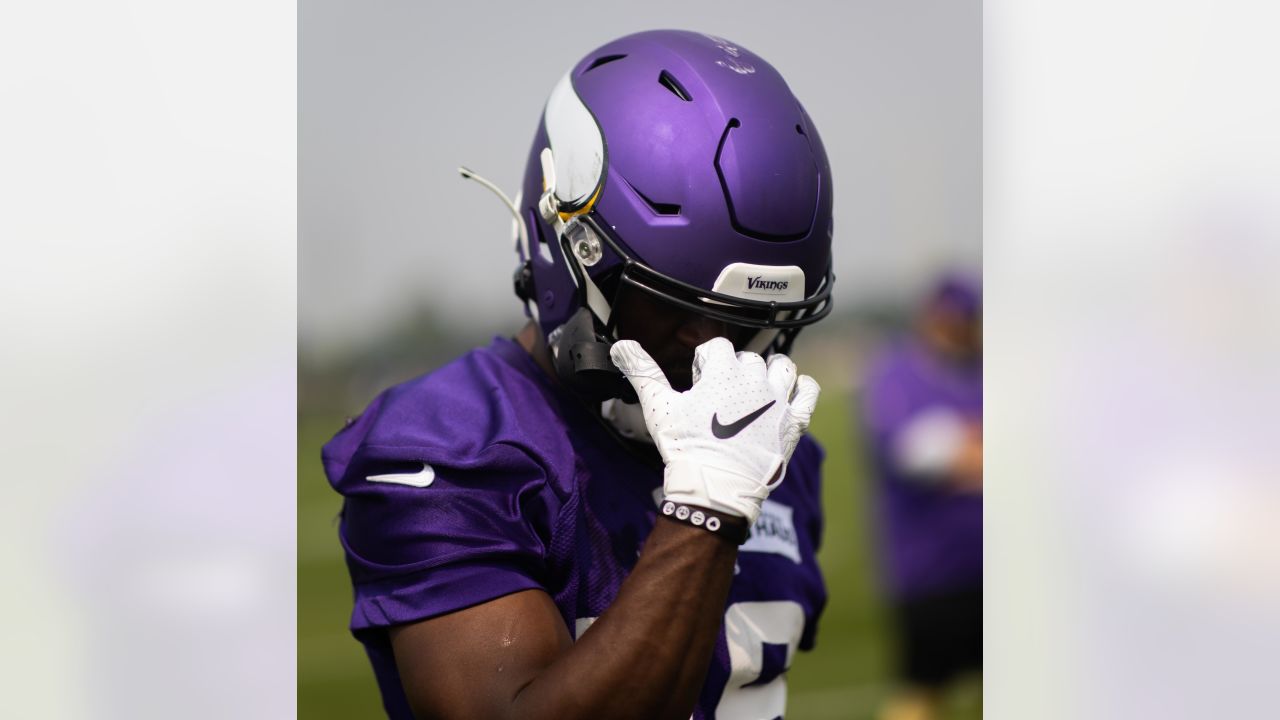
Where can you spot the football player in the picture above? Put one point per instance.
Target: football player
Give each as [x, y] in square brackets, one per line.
[922, 408]
[615, 514]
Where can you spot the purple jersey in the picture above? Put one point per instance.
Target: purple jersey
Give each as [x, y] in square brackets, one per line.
[483, 478]
[931, 536]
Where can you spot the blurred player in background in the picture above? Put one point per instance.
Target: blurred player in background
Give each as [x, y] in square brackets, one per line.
[922, 409]
[590, 519]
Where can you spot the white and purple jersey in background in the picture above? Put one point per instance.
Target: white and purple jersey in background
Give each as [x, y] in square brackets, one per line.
[931, 536]
[482, 478]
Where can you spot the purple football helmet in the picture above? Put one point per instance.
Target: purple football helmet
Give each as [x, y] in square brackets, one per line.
[681, 165]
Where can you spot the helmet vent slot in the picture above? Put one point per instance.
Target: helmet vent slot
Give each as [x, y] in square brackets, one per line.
[602, 60]
[657, 207]
[668, 81]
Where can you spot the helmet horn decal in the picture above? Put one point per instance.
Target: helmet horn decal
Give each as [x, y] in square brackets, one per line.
[573, 170]
[577, 147]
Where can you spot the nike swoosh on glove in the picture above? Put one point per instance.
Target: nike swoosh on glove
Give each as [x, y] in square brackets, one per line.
[727, 440]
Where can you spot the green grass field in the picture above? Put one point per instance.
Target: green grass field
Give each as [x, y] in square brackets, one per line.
[844, 677]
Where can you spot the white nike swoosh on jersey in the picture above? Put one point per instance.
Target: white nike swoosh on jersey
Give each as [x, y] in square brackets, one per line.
[419, 479]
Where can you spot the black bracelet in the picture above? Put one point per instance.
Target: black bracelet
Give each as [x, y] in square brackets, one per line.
[730, 527]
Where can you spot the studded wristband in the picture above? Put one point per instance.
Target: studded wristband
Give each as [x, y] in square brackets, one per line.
[730, 527]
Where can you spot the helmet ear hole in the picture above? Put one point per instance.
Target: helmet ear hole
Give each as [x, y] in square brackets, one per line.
[522, 281]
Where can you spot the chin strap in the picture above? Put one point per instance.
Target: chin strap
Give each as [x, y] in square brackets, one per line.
[582, 361]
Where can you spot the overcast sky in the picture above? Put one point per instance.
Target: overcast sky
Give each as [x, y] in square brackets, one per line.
[394, 96]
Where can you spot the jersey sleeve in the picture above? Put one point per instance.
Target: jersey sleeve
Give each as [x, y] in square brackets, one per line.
[426, 533]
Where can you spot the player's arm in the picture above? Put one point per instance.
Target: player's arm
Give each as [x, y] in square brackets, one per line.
[645, 657]
[648, 653]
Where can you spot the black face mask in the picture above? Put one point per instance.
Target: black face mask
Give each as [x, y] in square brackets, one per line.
[786, 317]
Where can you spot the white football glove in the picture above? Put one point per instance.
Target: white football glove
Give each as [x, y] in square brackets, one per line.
[727, 440]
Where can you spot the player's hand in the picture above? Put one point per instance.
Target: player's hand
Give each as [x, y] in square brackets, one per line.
[727, 440]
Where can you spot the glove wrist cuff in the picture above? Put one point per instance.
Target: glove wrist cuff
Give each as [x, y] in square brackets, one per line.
[716, 488]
